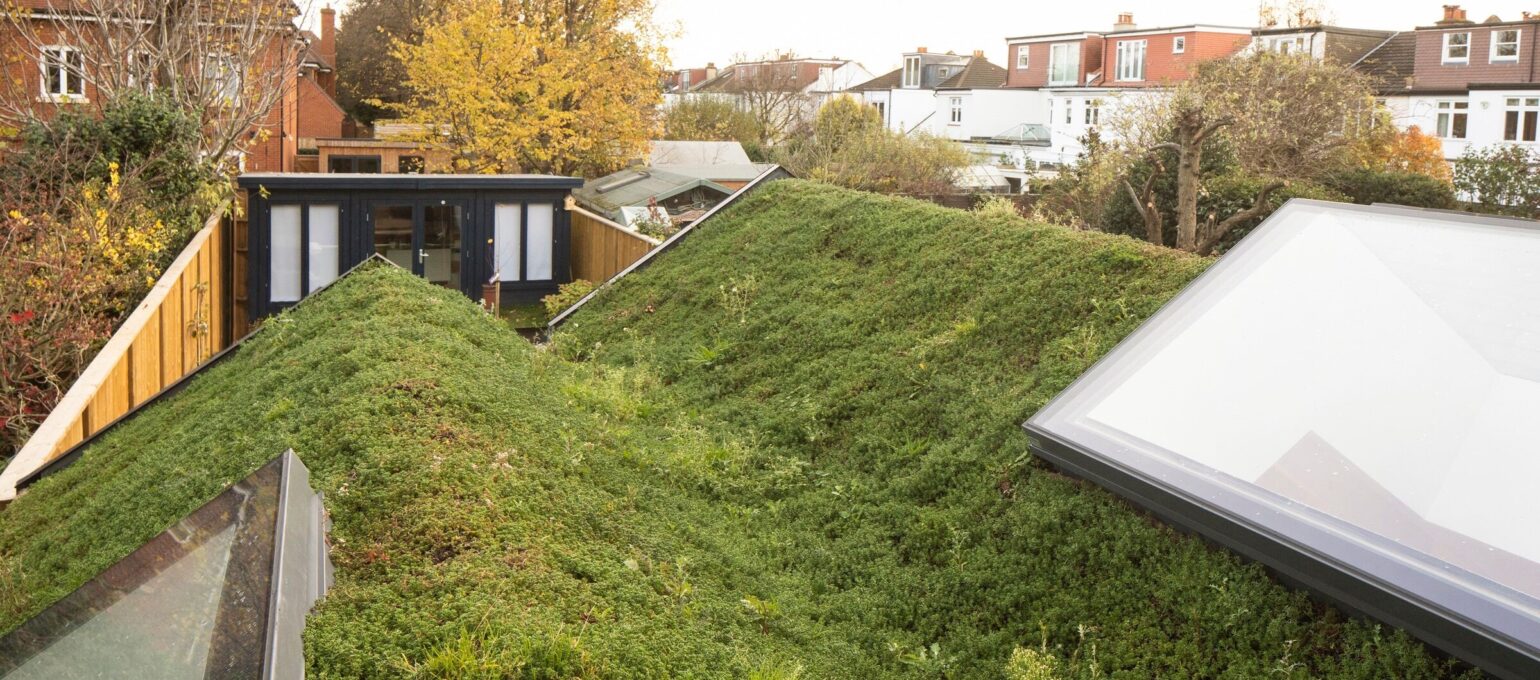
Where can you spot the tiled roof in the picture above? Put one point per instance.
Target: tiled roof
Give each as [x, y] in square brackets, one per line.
[886, 81]
[979, 74]
[1390, 65]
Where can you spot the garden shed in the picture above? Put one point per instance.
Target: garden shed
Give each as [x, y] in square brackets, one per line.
[457, 231]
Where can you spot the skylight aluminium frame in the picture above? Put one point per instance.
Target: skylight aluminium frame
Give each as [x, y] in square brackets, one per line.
[1470, 616]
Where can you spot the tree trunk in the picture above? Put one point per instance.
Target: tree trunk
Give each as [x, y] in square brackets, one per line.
[1189, 140]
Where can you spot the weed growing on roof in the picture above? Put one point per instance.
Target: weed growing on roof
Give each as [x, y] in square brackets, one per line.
[852, 460]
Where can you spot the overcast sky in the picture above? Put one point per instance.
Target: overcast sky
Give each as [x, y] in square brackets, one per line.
[877, 32]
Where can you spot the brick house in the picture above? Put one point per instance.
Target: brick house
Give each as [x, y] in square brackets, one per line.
[1470, 84]
[62, 76]
[1081, 77]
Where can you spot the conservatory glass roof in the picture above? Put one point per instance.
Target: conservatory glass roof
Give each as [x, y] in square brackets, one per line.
[1351, 395]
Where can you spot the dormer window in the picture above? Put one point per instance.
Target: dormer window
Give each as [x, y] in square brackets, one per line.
[1023, 57]
[942, 72]
[1179, 44]
[1456, 48]
[911, 72]
[1505, 45]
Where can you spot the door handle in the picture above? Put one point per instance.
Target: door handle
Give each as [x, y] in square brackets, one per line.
[421, 255]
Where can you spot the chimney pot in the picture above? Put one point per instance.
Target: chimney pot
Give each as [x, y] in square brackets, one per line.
[978, 54]
[1125, 22]
[922, 50]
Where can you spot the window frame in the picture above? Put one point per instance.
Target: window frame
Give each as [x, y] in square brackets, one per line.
[1069, 111]
[1063, 54]
[1125, 71]
[305, 205]
[1446, 119]
[1179, 44]
[1521, 119]
[1093, 111]
[60, 56]
[1023, 57]
[1444, 54]
[956, 104]
[912, 67]
[1518, 39]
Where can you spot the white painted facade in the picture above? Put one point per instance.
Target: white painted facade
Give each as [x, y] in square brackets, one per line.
[1486, 118]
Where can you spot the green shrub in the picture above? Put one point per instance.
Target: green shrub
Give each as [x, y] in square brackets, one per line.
[1231, 193]
[1499, 179]
[566, 295]
[1367, 187]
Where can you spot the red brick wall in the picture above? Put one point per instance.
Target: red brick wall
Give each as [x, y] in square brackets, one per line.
[22, 82]
[319, 114]
[1432, 73]
[1160, 65]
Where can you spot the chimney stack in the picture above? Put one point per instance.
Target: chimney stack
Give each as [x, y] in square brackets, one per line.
[1125, 22]
[328, 46]
[1453, 15]
[922, 50]
[978, 54]
[711, 70]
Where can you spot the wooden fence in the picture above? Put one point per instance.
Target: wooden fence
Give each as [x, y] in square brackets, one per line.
[181, 323]
[602, 248]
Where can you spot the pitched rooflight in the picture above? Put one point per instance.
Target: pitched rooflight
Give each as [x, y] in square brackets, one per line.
[1349, 397]
[222, 593]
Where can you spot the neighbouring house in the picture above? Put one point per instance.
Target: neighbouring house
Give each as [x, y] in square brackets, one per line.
[787, 88]
[1471, 84]
[723, 163]
[319, 113]
[62, 75]
[1083, 76]
[640, 194]
[393, 149]
[1346, 46]
[683, 80]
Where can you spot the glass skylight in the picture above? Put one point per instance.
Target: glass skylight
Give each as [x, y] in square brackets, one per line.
[1352, 395]
[203, 599]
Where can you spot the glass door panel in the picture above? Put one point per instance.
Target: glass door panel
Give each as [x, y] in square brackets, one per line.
[440, 252]
[393, 234]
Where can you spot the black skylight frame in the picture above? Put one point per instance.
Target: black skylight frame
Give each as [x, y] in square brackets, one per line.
[1494, 627]
[277, 567]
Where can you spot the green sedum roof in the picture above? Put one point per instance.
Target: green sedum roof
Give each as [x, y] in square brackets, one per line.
[787, 449]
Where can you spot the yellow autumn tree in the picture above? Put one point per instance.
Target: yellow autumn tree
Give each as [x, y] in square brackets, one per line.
[546, 86]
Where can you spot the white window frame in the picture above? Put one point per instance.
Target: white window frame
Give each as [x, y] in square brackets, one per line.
[1179, 45]
[1023, 57]
[943, 72]
[1521, 108]
[1060, 54]
[1448, 45]
[1069, 111]
[1129, 69]
[1494, 57]
[1445, 113]
[223, 73]
[51, 56]
[1093, 111]
[911, 72]
[957, 110]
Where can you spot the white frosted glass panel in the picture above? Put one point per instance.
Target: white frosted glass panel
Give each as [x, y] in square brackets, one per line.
[323, 244]
[1380, 367]
[284, 246]
[506, 240]
[542, 235]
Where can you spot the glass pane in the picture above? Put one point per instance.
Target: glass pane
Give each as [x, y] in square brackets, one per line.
[393, 234]
[1459, 125]
[323, 244]
[508, 240]
[194, 601]
[284, 258]
[441, 245]
[1529, 125]
[1511, 126]
[542, 237]
[1360, 381]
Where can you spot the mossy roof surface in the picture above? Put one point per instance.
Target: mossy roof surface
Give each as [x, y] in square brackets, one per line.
[790, 448]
